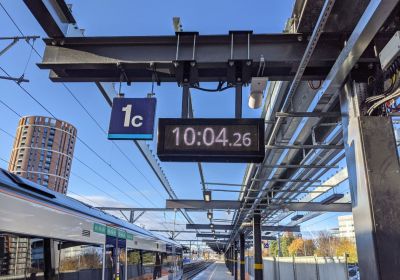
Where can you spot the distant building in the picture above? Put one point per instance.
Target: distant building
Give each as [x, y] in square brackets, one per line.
[334, 232]
[43, 151]
[346, 227]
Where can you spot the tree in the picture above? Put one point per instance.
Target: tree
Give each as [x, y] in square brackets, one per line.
[309, 247]
[296, 248]
[326, 244]
[273, 248]
[346, 246]
[286, 240]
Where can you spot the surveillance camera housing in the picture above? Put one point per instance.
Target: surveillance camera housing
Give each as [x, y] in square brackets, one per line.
[258, 86]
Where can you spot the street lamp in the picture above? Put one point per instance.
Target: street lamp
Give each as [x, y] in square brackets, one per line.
[207, 195]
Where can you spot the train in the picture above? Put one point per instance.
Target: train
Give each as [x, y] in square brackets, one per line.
[48, 235]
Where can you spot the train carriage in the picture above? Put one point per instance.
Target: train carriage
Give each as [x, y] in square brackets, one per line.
[47, 235]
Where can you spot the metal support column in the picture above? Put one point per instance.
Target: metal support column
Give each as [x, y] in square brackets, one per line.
[231, 260]
[242, 256]
[258, 262]
[49, 259]
[238, 100]
[374, 176]
[235, 260]
[185, 101]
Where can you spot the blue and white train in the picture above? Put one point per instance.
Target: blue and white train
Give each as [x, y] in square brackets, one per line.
[47, 235]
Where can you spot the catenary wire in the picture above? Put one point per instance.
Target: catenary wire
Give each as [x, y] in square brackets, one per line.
[74, 97]
[33, 48]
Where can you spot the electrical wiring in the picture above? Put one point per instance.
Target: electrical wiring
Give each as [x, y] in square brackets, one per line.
[382, 101]
[218, 89]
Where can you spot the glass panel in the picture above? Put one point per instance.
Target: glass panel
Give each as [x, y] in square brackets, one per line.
[80, 261]
[20, 257]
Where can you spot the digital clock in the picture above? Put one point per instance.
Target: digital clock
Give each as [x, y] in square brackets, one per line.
[211, 140]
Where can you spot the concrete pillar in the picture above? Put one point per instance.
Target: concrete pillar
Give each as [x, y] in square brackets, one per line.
[242, 256]
[235, 260]
[374, 176]
[258, 262]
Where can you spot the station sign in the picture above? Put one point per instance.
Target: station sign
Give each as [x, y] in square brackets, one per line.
[132, 119]
[211, 140]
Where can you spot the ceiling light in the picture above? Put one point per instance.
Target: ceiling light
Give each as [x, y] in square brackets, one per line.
[207, 196]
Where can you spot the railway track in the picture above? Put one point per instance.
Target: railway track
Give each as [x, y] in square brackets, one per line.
[192, 269]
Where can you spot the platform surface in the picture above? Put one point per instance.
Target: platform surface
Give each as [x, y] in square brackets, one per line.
[216, 271]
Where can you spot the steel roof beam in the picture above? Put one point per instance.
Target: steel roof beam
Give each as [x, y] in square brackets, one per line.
[308, 115]
[53, 16]
[230, 227]
[81, 59]
[315, 147]
[296, 166]
[234, 205]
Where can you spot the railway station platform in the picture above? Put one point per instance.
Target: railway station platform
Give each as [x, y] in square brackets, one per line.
[216, 271]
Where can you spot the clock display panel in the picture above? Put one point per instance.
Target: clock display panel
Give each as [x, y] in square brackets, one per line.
[233, 140]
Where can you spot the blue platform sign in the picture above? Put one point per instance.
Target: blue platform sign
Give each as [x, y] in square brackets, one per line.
[132, 119]
[266, 245]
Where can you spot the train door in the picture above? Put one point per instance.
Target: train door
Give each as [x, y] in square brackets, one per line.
[115, 268]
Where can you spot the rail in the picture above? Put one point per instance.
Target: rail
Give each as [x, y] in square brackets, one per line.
[190, 270]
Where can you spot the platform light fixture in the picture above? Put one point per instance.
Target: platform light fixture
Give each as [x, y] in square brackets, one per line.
[297, 217]
[258, 86]
[211, 225]
[210, 215]
[207, 195]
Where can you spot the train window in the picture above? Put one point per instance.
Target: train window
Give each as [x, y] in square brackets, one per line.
[149, 261]
[20, 257]
[135, 268]
[78, 261]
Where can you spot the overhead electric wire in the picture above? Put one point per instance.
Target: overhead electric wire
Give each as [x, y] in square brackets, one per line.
[84, 143]
[19, 29]
[9, 108]
[87, 182]
[79, 103]
[97, 173]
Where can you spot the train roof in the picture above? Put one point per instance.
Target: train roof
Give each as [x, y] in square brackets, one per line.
[22, 185]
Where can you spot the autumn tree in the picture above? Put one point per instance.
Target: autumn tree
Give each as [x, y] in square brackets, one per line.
[346, 246]
[296, 248]
[326, 244]
[309, 247]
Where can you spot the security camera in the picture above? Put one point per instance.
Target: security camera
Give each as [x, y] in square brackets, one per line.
[258, 86]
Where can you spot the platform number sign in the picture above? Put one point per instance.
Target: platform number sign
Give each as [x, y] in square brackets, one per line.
[266, 245]
[132, 119]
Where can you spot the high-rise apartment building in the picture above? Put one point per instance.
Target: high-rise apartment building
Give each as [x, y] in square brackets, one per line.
[43, 151]
[346, 227]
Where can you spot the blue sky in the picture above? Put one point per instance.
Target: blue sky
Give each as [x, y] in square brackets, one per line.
[123, 17]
